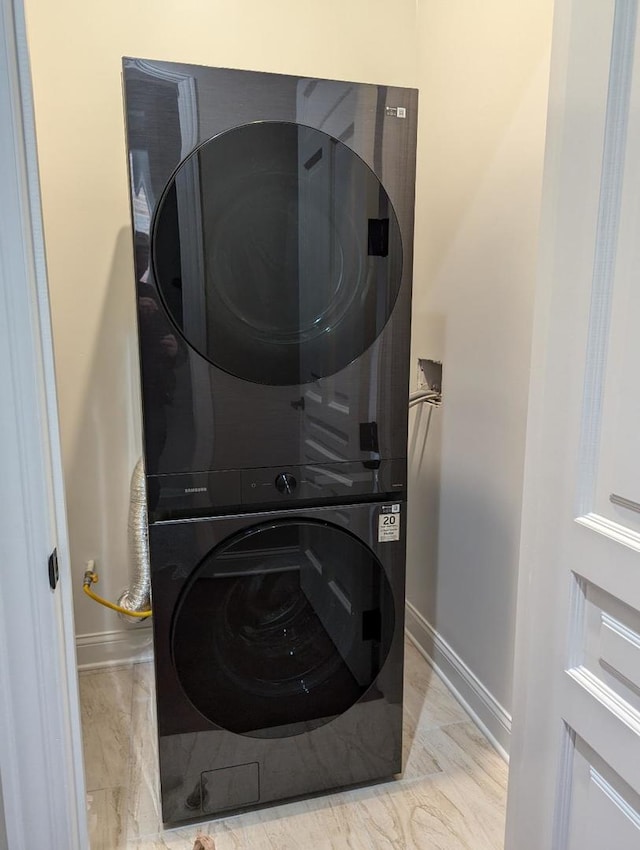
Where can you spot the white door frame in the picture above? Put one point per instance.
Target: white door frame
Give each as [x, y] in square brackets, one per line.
[41, 771]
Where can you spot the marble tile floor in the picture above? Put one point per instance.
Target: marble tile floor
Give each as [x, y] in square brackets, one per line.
[451, 795]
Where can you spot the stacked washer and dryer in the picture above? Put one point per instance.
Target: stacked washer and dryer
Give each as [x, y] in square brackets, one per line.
[273, 233]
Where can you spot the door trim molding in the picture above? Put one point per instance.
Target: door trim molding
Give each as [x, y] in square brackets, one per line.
[40, 738]
[604, 261]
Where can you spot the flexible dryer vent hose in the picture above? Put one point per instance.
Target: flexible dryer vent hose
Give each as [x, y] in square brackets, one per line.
[137, 598]
[135, 603]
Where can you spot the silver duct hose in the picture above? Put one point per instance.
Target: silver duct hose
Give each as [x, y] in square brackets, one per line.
[137, 597]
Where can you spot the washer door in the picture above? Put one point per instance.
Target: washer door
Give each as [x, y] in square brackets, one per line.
[277, 253]
[282, 628]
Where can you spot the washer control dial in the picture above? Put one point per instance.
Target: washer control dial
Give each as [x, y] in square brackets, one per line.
[286, 483]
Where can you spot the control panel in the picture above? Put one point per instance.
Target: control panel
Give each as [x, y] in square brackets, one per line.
[211, 493]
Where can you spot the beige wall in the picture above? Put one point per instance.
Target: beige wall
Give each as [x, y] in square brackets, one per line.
[76, 50]
[481, 68]
[483, 78]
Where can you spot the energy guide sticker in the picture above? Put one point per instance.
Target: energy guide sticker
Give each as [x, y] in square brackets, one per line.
[389, 523]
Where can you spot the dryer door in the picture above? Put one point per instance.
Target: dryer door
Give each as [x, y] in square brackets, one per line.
[282, 628]
[277, 253]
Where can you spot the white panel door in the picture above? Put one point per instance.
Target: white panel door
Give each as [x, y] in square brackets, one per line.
[575, 758]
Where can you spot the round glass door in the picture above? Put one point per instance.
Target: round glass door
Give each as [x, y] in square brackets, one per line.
[282, 628]
[277, 253]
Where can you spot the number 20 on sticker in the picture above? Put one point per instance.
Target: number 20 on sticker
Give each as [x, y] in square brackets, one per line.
[388, 527]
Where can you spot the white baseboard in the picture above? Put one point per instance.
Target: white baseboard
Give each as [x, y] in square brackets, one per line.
[483, 708]
[110, 649]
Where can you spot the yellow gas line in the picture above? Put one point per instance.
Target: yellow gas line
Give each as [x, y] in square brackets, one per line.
[91, 577]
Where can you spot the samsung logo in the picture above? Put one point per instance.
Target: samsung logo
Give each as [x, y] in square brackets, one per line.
[195, 489]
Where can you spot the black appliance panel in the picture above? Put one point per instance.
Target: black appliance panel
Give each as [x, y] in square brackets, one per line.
[277, 253]
[224, 592]
[198, 417]
[197, 494]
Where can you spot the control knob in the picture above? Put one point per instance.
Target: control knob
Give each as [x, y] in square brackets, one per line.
[286, 483]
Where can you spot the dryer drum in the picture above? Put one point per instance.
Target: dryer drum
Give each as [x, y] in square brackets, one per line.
[277, 253]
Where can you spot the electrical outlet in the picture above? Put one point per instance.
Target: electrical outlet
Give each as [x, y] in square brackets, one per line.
[430, 375]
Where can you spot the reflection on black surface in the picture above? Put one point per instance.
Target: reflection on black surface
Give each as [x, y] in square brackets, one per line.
[283, 628]
[158, 367]
[277, 253]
